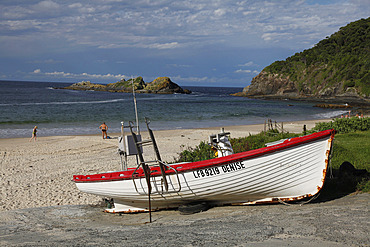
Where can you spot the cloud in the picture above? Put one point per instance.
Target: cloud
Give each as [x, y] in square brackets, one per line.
[220, 12]
[167, 24]
[180, 65]
[158, 46]
[47, 61]
[248, 64]
[171, 45]
[248, 71]
[84, 75]
[194, 79]
[243, 71]
[47, 6]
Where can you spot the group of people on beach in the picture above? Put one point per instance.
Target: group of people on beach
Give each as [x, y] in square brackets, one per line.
[349, 115]
[103, 127]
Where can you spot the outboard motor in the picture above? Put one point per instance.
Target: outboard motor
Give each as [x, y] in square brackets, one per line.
[221, 143]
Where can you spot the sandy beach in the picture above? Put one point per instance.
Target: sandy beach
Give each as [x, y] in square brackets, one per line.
[39, 174]
[41, 206]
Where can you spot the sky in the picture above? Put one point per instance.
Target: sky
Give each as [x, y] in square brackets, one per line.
[194, 42]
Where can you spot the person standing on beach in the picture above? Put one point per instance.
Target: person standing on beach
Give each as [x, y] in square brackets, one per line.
[34, 133]
[104, 129]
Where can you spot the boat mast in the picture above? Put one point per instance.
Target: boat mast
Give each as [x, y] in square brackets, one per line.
[137, 119]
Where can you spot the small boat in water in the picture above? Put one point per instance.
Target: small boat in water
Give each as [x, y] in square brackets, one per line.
[288, 170]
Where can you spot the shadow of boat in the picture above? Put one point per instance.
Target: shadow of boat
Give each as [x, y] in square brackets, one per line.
[342, 182]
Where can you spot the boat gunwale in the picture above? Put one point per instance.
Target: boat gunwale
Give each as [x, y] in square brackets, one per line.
[198, 165]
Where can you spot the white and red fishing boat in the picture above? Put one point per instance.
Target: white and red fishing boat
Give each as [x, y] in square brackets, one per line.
[283, 171]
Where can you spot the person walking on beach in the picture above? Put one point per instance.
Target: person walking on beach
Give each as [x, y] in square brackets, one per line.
[34, 133]
[104, 129]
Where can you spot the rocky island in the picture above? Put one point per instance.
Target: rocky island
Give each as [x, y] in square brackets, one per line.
[336, 70]
[161, 85]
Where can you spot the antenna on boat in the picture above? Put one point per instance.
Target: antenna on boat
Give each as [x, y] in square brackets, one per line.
[137, 119]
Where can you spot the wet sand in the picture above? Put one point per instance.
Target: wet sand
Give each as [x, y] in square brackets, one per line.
[340, 222]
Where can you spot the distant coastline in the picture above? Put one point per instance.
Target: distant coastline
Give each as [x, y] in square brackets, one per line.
[161, 85]
[356, 105]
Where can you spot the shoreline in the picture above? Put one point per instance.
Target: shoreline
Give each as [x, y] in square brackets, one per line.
[39, 174]
[43, 131]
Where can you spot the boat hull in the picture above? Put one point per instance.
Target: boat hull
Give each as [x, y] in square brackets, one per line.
[289, 171]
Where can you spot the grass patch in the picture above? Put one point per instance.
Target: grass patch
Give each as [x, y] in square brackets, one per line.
[352, 147]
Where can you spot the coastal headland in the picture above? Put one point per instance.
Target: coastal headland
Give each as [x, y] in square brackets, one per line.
[335, 70]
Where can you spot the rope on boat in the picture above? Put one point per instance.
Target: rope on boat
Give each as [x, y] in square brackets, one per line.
[300, 204]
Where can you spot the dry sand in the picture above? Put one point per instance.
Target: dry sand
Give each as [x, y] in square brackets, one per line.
[40, 205]
[39, 174]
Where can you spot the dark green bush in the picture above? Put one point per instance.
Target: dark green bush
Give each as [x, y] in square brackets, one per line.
[344, 125]
[251, 142]
[201, 152]
[204, 151]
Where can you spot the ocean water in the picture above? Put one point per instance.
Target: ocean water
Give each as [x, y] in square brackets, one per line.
[67, 112]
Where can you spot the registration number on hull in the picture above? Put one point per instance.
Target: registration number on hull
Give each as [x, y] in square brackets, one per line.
[207, 172]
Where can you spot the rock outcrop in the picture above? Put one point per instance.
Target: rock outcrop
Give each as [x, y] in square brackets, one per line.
[162, 85]
[278, 86]
[271, 84]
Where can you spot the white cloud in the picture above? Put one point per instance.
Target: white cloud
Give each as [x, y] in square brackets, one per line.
[247, 64]
[180, 65]
[171, 45]
[220, 12]
[47, 61]
[116, 25]
[75, 5]
[243, 71]
[192, 79]
[84, 75]
[47, 5]
[158, 46]
[247, 71]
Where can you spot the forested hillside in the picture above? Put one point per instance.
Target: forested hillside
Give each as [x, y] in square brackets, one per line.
[339, 65]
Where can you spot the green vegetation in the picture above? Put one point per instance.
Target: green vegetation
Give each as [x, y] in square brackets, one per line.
[353, 147]
[127, 85]
[204, 151]
[201, 152]
[341, 58]
[251, 142]
[344, 125]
